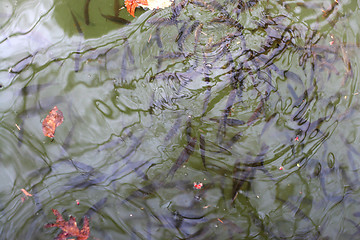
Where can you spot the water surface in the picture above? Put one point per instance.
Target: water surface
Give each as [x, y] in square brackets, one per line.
[256, 100]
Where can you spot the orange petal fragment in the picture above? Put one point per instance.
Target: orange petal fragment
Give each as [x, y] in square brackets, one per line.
[52, 121]
[26, 193]
[143, 2]
[132, 4]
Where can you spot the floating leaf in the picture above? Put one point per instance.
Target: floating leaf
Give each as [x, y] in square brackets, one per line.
[69, 228]
[52, 121]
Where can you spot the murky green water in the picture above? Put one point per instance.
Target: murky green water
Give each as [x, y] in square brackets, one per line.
[256, 100]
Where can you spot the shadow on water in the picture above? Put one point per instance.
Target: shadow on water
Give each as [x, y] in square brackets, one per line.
[206, 120]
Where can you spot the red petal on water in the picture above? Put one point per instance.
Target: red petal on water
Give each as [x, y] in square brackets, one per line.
[198, 185]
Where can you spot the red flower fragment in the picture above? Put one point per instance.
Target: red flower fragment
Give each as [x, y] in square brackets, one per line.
[69, 228]
[52, 121]
[132, 4]
[198, 185]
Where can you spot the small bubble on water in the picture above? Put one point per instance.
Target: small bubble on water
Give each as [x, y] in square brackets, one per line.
[297, 10]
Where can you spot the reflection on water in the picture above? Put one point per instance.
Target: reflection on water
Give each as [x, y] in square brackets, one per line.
[256, 100]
